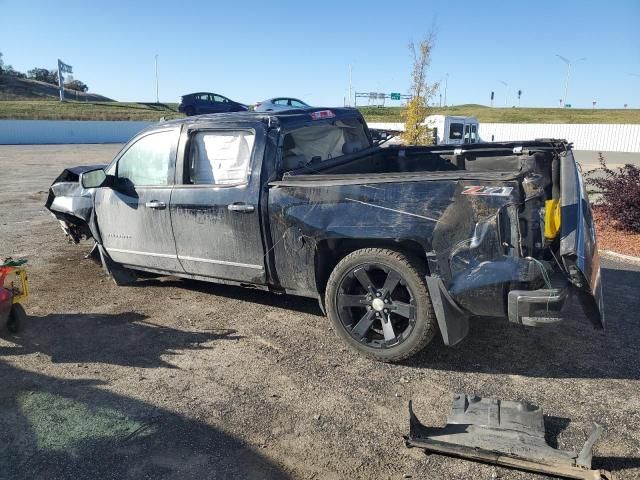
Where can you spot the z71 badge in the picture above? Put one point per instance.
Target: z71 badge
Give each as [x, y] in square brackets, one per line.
[483, 190]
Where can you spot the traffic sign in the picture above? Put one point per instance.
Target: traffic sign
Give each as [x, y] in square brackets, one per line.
[394, 96]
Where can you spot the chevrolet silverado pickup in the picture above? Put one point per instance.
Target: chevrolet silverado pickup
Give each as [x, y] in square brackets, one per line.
[396, 242]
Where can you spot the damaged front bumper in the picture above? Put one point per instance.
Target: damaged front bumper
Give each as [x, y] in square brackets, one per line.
[71, 204]
[510, 434]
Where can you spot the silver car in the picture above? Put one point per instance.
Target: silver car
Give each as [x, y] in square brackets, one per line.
[279, 104]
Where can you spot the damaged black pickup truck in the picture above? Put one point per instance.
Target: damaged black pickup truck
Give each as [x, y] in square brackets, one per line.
[396, 242]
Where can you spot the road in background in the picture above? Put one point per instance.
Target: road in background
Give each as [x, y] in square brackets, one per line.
[590, 160]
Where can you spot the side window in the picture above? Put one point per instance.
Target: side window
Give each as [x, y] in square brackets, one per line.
[148, 161]
[281, 101]
[455, 131]
[467, 133]
[202, 98]
[297, 103]
[219, 99]
[220, 158]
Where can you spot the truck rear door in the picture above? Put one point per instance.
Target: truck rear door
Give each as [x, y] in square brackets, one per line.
[215, 203]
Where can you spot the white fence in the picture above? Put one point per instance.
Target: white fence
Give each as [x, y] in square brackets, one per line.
[596, 137]
[21, 132]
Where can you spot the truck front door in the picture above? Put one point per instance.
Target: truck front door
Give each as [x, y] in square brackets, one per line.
[133, 215]
[215, 206]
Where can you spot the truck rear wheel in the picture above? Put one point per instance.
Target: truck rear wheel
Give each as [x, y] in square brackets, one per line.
[379, 304]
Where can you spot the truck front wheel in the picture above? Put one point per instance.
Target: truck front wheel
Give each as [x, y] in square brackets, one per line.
[379, 304]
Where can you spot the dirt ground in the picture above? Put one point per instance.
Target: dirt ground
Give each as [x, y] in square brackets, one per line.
[611, 238]
[172, 379]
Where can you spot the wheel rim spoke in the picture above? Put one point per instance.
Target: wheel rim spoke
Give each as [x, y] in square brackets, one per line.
[387, 330]
[391, 282]
[405, 310]
[376, 305]
[345, 300]
[363, 277]
[364, 324]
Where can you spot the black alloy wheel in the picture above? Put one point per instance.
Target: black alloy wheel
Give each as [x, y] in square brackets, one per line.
[378, 302]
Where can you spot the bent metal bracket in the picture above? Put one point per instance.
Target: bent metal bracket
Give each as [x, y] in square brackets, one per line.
[505, 433]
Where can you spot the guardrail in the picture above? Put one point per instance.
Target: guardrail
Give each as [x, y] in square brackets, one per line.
[596, 137]
[23, 132]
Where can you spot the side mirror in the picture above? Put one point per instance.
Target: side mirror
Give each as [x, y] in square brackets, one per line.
[93, 178]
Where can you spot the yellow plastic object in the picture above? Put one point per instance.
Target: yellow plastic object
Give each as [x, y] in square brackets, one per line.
[551, 219]
[16, 281]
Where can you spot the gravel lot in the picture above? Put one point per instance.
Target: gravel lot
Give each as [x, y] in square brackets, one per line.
[180, 379]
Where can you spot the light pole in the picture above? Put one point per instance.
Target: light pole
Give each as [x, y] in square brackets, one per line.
[350, 86]
[157, 96]
[506, 92]
[566, 83]
[446, 81]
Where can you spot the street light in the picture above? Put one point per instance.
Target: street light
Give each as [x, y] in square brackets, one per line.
[506, 92]
[566, 83]
[446, 81]
[157, 96]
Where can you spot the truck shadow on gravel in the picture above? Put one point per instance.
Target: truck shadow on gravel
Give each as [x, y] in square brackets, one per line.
[570, 349]
[261, 297]
[61, 428]
[125, 339]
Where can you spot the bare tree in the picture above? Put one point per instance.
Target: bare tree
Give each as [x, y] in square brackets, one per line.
[416, 110]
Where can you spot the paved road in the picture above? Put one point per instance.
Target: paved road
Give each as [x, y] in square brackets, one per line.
[590, 160]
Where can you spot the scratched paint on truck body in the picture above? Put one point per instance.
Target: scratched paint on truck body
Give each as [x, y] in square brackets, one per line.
[433, 214]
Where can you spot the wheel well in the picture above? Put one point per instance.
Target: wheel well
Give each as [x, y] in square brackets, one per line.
[331, 251]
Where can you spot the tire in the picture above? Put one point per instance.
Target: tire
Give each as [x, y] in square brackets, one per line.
[189, 111]
[16, 318]
[357, 286]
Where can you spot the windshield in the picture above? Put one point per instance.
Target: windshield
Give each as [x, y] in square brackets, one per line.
[324, 141]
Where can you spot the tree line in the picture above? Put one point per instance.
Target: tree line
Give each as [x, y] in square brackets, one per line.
[42, 75]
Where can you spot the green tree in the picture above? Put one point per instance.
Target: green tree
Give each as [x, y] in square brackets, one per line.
[43, 75]
[417, 109]
[76, 85]
[8, 70]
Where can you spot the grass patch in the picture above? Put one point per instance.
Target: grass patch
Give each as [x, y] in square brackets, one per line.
[515, 115]
[72, 110]
[54, 110]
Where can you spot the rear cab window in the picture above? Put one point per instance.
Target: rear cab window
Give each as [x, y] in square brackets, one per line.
[323, 141]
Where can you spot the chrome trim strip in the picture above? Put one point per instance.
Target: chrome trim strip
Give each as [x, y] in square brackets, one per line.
[221, 262]
[134, 252]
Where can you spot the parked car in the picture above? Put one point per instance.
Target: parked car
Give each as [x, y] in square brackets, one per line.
[205, 102]
[279, 104]
[396, 243]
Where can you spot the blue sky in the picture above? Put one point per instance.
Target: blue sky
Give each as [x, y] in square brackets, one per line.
[251, 50]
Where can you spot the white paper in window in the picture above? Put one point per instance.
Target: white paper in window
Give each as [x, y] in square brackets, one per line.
[223, 157]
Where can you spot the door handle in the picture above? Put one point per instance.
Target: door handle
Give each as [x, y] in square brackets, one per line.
[241, 207]
[155, 204]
